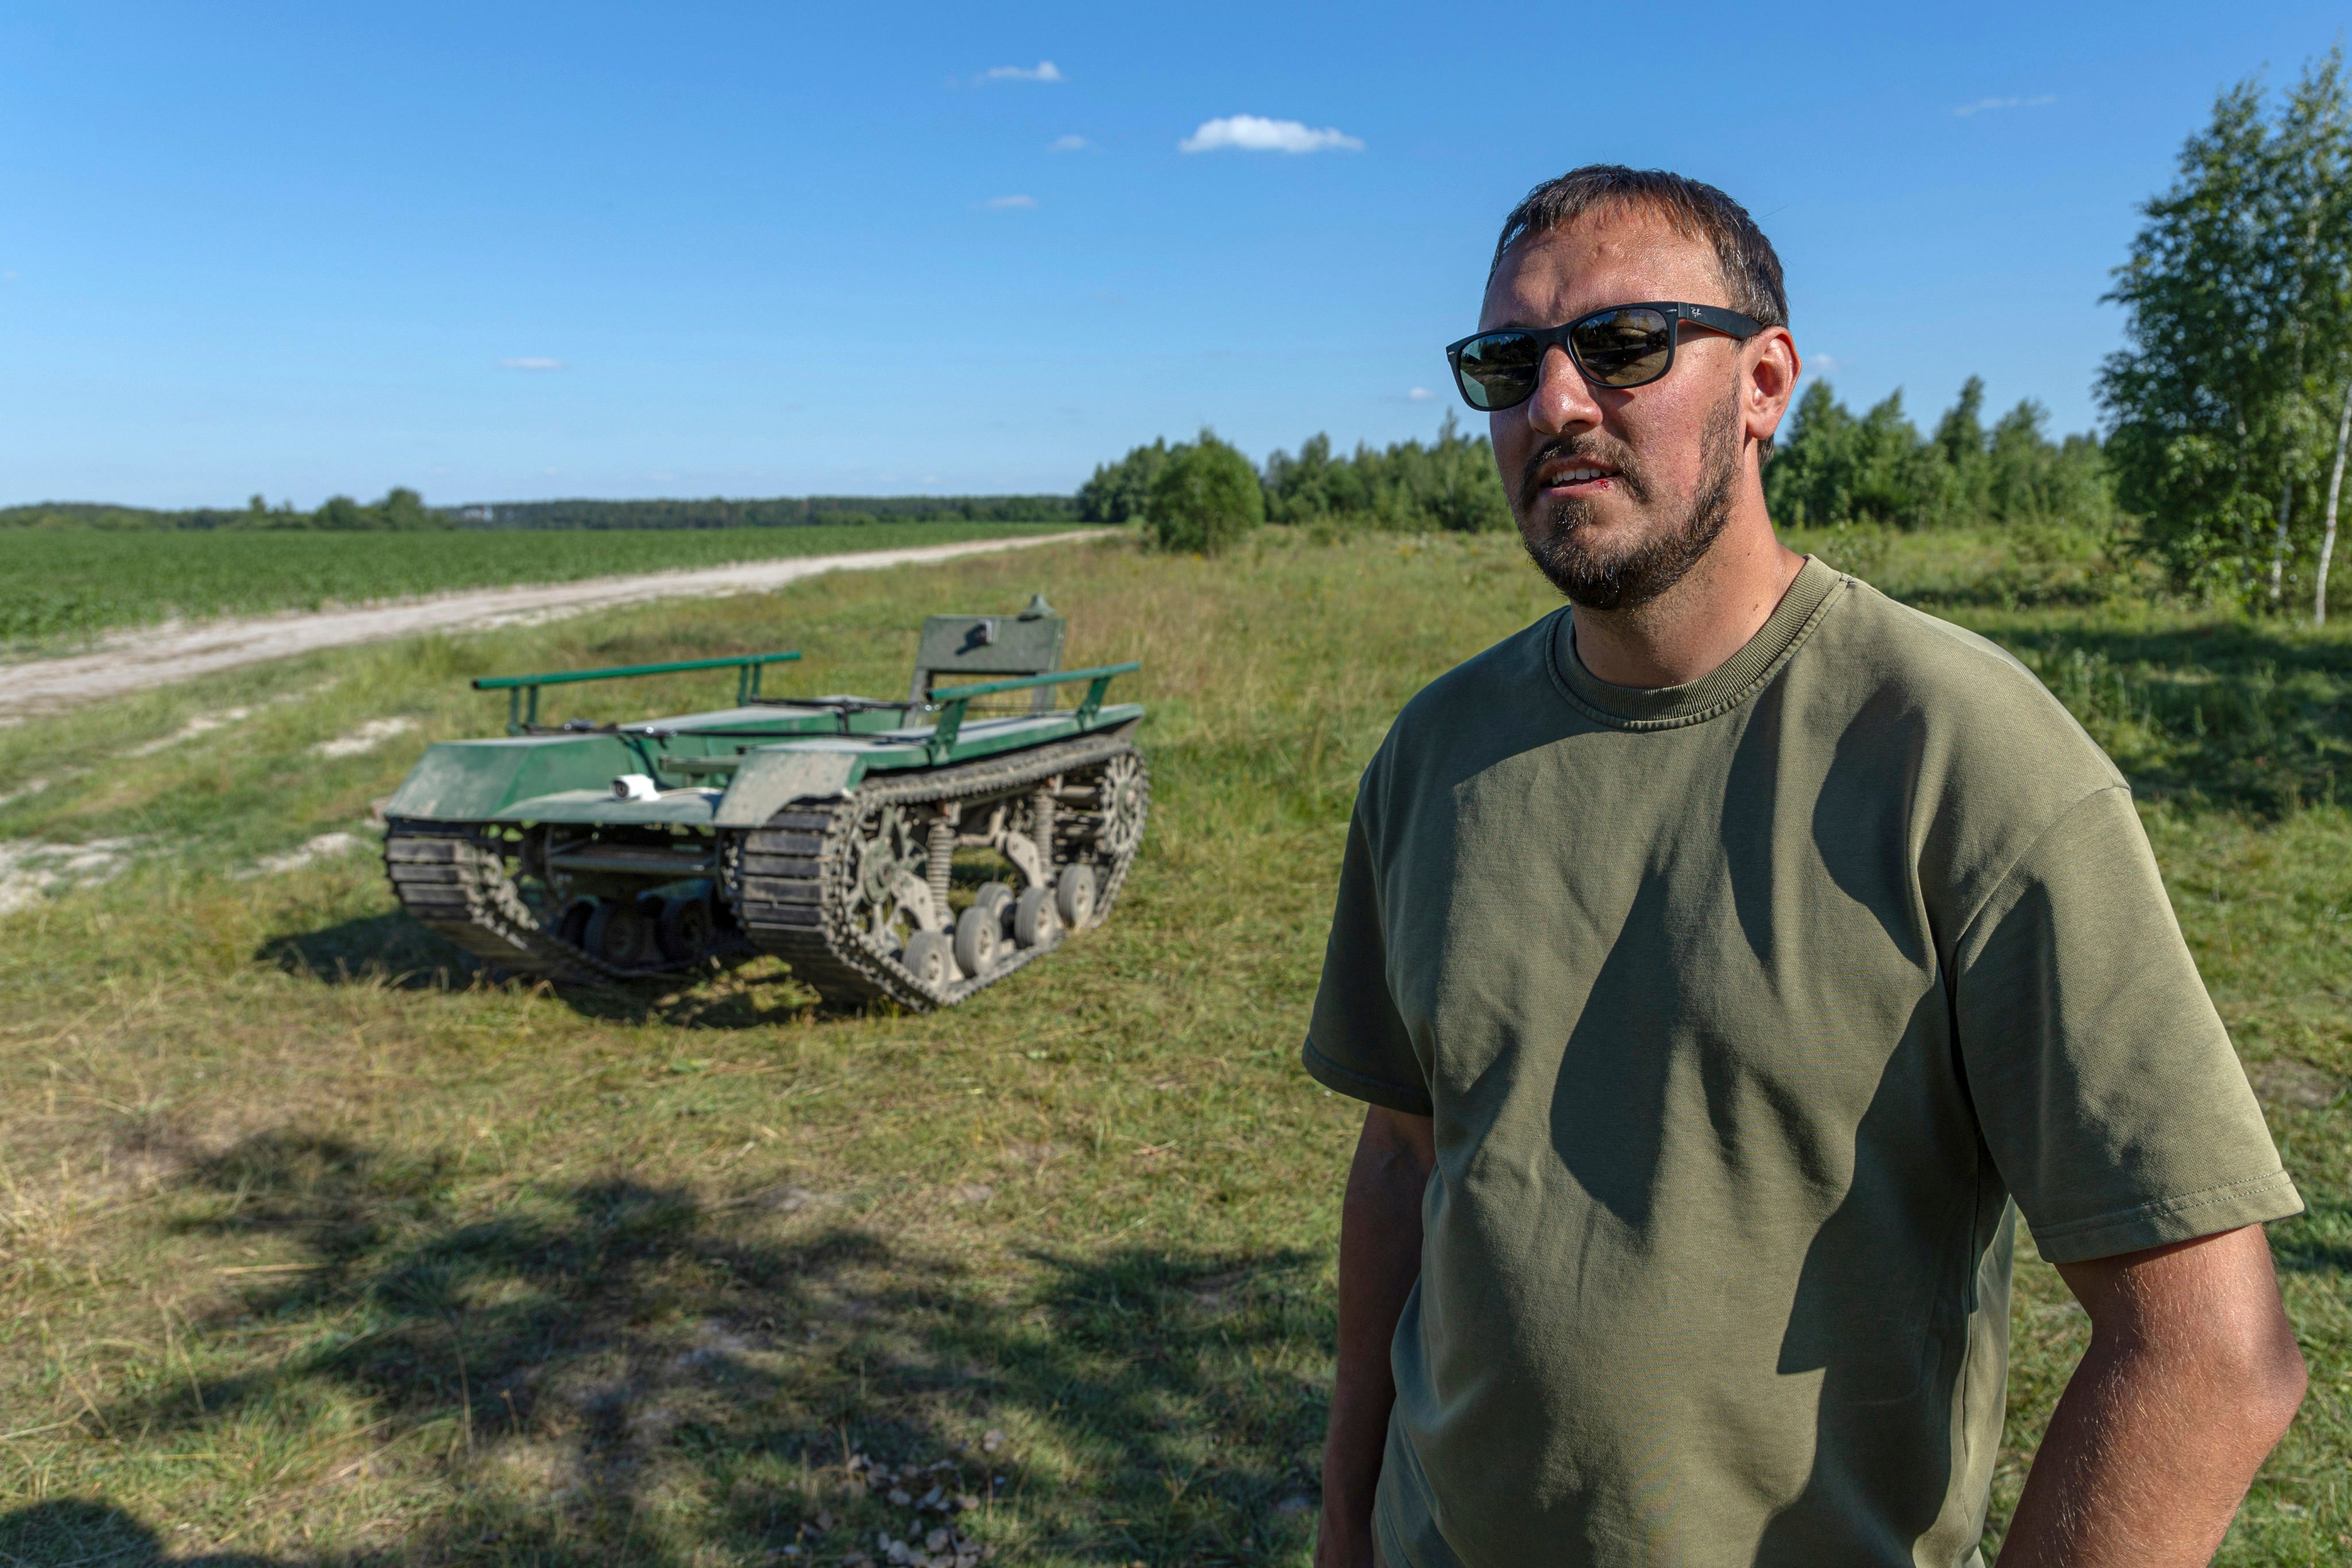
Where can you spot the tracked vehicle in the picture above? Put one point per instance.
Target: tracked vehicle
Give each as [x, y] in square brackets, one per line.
[842, 834]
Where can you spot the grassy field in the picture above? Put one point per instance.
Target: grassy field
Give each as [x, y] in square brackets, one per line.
[317, 1248]
[64, 584]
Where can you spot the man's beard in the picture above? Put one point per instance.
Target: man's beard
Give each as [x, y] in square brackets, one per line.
[1559, 540]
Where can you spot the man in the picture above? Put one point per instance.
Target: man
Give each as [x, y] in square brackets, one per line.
[1727, 960]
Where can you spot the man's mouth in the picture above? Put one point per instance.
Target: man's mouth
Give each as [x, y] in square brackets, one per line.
[1574, 479]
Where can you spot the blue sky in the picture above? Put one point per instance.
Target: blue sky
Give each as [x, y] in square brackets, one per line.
[503, 251]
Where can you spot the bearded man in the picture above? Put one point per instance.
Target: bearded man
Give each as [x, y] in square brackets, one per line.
[1728, 959]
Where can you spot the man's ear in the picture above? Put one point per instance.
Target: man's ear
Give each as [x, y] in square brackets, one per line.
[1769, 383]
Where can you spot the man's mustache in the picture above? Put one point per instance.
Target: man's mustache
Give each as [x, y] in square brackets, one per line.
[1574, 450]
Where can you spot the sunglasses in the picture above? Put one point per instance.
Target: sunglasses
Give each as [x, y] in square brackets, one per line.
[1623, 346]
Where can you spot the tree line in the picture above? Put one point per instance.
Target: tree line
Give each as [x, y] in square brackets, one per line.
[401, 510]
[404, 510]
[1832, 468]
[782, 511]
[1203, 494]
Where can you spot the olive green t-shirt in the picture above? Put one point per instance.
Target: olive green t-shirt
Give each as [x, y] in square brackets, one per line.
[1744, 1009]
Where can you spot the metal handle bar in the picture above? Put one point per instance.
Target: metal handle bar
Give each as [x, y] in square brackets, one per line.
[951, 700]
[523, 690]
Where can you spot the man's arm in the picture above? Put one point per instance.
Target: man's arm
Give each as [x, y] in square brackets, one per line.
[1380, 1259]
[2192, 1376]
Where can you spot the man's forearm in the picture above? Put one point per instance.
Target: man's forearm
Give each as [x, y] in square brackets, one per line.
[1380, 1259]
[2191, 1379]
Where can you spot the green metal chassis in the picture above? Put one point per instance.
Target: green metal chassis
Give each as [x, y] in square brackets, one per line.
[772, 753]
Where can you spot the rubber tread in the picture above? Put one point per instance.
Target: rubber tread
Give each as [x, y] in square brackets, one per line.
[451, 878]
[804, 918]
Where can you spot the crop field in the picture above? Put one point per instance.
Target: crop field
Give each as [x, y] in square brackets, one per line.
[57, 584]
[318, 1246]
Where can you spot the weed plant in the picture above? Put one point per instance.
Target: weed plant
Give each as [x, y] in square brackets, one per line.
[317, 1246]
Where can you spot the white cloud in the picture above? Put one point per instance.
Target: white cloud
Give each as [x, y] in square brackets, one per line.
[1008, 204]
[1069, 144]
[1420, 394]
[1982, 104]
[1828, 364]
[1044, 70]
[531, 362]
[1255, 134]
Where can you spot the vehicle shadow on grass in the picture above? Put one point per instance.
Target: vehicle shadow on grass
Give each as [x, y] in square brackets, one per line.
[616, 1372]
[2232, 713]
[392, 953]
[65, 1531]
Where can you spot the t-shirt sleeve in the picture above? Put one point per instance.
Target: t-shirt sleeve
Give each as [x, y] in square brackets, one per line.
[1356, 1043]
[2107, 1086]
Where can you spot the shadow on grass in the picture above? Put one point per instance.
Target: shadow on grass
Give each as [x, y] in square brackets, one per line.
[613, 1372]
[393, 952]
[388, 950]
[66, 1531]
[2231, 713]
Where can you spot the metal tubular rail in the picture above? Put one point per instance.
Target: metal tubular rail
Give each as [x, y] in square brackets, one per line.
[951, 700]
[523, 690]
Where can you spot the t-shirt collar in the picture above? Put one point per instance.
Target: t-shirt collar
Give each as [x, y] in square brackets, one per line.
[1719, 690]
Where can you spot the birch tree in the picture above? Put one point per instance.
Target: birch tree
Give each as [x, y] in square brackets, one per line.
[2238, 335]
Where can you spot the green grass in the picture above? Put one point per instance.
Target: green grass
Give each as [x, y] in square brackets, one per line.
[315, 1248]
[58, 583]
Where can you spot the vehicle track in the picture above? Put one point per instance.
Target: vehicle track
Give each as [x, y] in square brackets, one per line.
[137, 660]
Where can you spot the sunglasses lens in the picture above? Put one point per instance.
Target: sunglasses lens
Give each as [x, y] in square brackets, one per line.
[1624, 348]
[1498, 370]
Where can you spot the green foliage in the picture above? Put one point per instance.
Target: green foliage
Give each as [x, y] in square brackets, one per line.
[1835, 469]
[2238, 296]
[1449, 484]
[1205, 498]
[1121, 492]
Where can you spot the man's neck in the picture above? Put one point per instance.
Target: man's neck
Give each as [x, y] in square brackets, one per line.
[1687, 632]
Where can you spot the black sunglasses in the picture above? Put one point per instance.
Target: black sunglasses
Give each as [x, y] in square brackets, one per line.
[1623, 346]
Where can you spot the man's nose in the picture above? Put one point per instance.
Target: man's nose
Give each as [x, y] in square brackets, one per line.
[1563, 401]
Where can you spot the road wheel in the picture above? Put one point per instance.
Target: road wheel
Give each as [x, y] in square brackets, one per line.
[621, 935]
[1073, 896]
[929, 959]
[685, 928]
[1035, 922]
[978, 936]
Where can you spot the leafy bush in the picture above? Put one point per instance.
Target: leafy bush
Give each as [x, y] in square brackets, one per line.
[1205, 498]
[1121, 492]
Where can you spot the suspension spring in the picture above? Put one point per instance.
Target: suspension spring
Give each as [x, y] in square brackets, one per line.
[1041, 822]
[940, 851]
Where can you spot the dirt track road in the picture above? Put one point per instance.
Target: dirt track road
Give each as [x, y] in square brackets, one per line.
[132, 662]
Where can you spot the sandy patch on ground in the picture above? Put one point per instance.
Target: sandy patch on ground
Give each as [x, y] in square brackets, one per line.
[325, 847]
[201, 724]
[364, 738]
[134, 661]
[31, 869]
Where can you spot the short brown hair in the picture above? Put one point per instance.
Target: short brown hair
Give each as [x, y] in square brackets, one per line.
[1751, 268]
